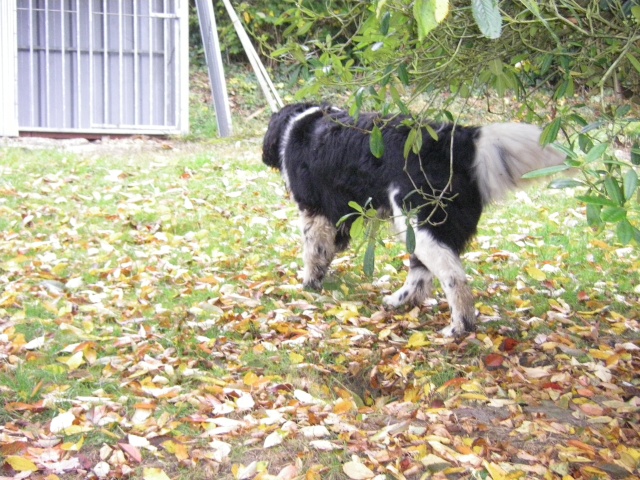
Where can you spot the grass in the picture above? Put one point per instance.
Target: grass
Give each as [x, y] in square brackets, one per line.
[179, 268]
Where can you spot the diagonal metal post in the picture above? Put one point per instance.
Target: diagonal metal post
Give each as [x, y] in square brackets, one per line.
[207, 22]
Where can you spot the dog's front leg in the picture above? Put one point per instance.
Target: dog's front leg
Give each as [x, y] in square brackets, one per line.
[416, 288]
[319, 248]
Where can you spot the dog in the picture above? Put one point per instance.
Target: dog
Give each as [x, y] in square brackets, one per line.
[325, 158]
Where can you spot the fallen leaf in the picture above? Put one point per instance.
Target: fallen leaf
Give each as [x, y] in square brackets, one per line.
[154, 474]
[357, 471]
[132, 451]
[493, 360]
[536, 273]
[21, 464]
[273, 439]
[61, 422]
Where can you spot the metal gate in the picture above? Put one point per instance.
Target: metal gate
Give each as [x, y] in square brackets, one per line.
[103, 66]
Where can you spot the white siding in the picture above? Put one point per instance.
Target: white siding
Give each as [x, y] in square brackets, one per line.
[103, 66]
[8, 84]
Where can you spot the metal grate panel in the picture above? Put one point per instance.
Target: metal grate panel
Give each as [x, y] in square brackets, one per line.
[103, 65]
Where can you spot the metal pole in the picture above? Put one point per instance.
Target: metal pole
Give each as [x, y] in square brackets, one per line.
[214, 63]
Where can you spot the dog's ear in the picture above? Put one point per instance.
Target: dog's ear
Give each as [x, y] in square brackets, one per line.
[271, 142]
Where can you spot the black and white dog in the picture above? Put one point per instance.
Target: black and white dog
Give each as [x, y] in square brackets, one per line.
[325, 158]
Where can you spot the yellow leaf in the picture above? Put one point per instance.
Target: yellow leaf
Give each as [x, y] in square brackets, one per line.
[474, 396]
[181, 452]
[600, 354]
[536, 274]
[71, 446]
[21, 464]
[471, 387]
[417, 340]
[74, 361]
[495, 471]
[154, 474]
[250, 378]
[343, 406]
[600, 244]
[296, 358]
[177, 449]
[76, 429]
[634, 453]
[487, 310]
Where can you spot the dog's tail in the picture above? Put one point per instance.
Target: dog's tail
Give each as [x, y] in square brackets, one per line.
[505, 152]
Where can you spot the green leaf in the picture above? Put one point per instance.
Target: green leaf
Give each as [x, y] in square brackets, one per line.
[630, 183]
[624, 231]
[413, 142]
[613, 189]
[568, 152]
[410, 237]
[633, 60]
[614, 214]
[635, 153]
[496, 66]
[596, 153]
[357, 228]
[622, 111]
[376, 142]
[543, 172]
[593, 215]
[384, 24]
[550, 132]
[584, 142]
[602, 201]
[371, 213]
[403, 74]
[429, 14]
[432, 133]
[566, 183]
[487, 15]
[369, 258]
[356, 206]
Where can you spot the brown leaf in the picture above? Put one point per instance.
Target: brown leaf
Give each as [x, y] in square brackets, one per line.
[493, 361]
[132, 451]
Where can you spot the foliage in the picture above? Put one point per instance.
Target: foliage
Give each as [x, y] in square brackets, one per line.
[153, 326]
[409, 56]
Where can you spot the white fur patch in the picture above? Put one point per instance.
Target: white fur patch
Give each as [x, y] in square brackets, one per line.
[505, 152]
[284, 141]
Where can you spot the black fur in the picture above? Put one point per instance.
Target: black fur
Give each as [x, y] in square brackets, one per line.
[326, 160]
[329, 163]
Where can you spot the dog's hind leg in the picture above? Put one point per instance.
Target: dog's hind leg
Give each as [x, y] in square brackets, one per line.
[319, 248]
[416, 288]
[446, 265]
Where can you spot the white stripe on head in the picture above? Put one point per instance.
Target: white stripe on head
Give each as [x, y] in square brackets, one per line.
[285, 138]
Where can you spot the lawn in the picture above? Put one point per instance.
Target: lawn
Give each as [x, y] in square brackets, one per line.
[153, 325]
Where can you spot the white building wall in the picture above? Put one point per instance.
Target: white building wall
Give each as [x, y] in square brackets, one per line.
[8, 84]
[102, 66]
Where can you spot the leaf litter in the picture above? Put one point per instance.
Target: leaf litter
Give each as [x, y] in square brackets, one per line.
[152, 325]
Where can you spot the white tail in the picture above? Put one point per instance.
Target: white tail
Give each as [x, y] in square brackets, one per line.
[505, 152]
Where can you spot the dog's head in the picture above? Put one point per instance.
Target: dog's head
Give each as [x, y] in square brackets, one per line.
[271, 146]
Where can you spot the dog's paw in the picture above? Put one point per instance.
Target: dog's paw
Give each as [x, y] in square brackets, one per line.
[315, 285]
[458, 329]
[396, 299]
